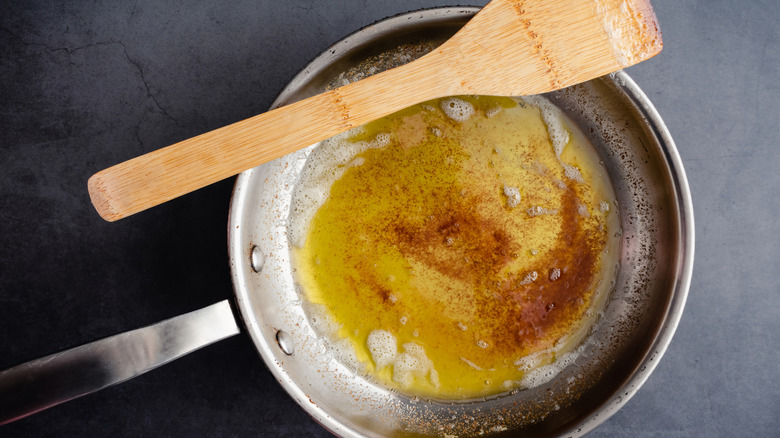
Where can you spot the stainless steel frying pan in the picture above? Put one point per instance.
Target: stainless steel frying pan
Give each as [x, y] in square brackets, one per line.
[644, 308]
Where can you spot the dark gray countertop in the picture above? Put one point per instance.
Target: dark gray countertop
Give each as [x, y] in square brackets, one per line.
[84, 85]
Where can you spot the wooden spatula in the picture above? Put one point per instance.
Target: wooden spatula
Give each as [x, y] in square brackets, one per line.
[510, 48]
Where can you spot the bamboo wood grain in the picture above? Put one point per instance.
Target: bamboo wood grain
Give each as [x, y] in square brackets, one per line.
[509, 48]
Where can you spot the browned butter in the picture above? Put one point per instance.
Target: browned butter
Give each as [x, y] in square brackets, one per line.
[462, 247]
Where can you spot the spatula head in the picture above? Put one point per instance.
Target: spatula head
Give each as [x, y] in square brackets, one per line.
[515, 47]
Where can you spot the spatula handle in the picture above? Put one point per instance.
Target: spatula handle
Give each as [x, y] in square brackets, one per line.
[170, 172]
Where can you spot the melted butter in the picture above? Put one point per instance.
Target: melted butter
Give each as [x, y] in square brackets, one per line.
[460, 253]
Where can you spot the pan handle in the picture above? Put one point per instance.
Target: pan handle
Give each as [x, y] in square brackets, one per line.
[42, 383]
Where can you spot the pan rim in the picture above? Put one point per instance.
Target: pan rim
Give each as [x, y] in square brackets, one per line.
[239, 256]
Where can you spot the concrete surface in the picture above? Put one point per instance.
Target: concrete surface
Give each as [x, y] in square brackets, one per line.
[84, 85]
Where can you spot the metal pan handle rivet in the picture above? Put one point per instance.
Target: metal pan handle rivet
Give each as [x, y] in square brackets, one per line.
[257, 259]
[285, 342]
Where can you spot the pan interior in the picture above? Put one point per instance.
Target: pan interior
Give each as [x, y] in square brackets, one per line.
[638, 320]
[457, 249]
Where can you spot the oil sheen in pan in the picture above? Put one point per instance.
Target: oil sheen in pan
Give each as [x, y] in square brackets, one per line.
[458, 249]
